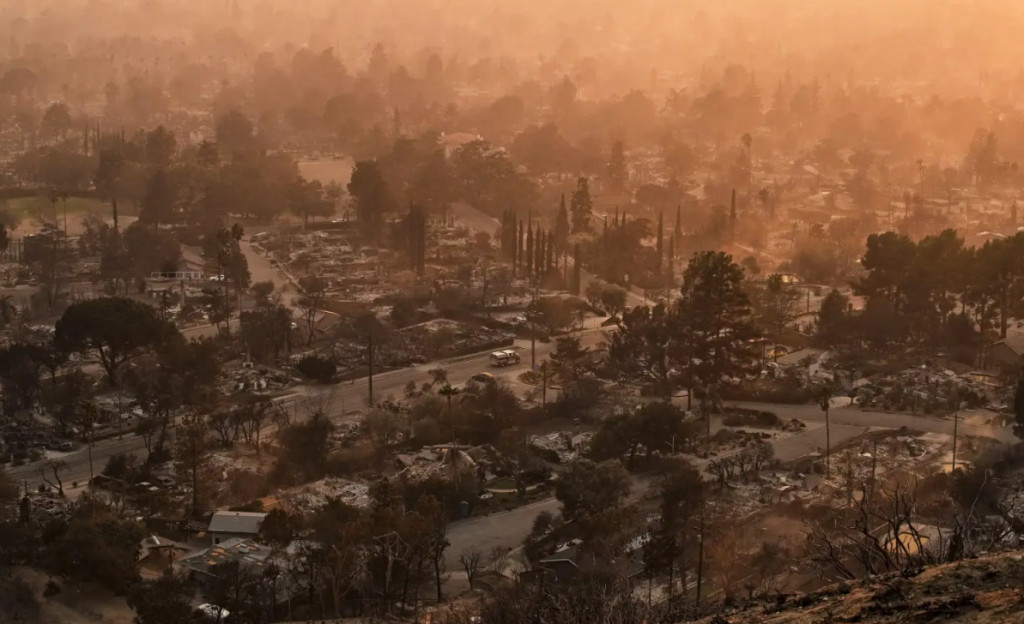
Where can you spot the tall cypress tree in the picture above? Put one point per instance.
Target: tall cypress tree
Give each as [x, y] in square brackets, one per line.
[519, 250]
[538, 257]
[550, 264]
[678, 231]
[510, 239]
[575, 286]
[659, 244]
[528, 272]
[510, 234]
[562, 227]
[671, 269]
[503, 243]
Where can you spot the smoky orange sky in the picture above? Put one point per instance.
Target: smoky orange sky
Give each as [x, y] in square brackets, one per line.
[944, 45]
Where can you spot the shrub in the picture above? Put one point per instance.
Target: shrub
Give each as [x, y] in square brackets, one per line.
[777, 391]
[319, 368]
[427, 431]
[740, 417]
[253, 505]
[547, 455]
[351, 461]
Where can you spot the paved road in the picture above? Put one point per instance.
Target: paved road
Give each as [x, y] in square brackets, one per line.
[338, 400]
[509, 529]
[262, 271]
[352, 395]
[78, 461]
[864, 419]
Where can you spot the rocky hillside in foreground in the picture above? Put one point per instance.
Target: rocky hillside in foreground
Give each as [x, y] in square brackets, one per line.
[986, 590]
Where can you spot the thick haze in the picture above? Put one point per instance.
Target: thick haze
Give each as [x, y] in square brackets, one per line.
[914, 49]
[943, 45]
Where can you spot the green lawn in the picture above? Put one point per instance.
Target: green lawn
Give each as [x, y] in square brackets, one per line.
[27, 210]
[501, 483]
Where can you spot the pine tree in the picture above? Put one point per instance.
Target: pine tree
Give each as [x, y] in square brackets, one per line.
[617, 174]
[417, 221]
[678, 231]
[732, 214]
[1018, 409]
[562, 227]
[581, 207]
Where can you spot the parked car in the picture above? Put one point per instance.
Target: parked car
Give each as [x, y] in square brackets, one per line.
[164, 481]
[508, 357]
[480, 380]
[212, 613]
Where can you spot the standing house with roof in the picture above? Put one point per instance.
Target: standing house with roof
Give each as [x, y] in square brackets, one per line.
[206, 567]
[568, 563]
[226, 525]
[1007, 354]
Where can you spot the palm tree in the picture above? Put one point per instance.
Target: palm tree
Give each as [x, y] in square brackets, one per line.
[438, 377]
[448, 391]
[825, 401]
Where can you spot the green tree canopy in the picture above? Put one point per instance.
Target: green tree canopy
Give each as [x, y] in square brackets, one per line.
[114, 329]
[717, 316]
[373, 196]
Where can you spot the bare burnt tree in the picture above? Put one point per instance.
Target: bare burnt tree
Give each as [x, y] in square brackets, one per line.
[471, 561]
[880, 534]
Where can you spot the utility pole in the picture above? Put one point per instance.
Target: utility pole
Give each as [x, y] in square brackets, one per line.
[369, 360]
[700, 556]
[91, 438]
[874, 459]
[705, 406]
[707, 431]
[451, 419]
[956, 419]
[828, 447]
[825, 400]
[533, 330]
[544, 384]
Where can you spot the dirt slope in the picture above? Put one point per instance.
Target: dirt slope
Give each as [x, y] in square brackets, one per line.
[986, 590]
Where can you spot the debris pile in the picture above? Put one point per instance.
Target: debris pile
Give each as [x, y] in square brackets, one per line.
[315, 495]
[252, 379]
[565, 445]
[442, 338]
